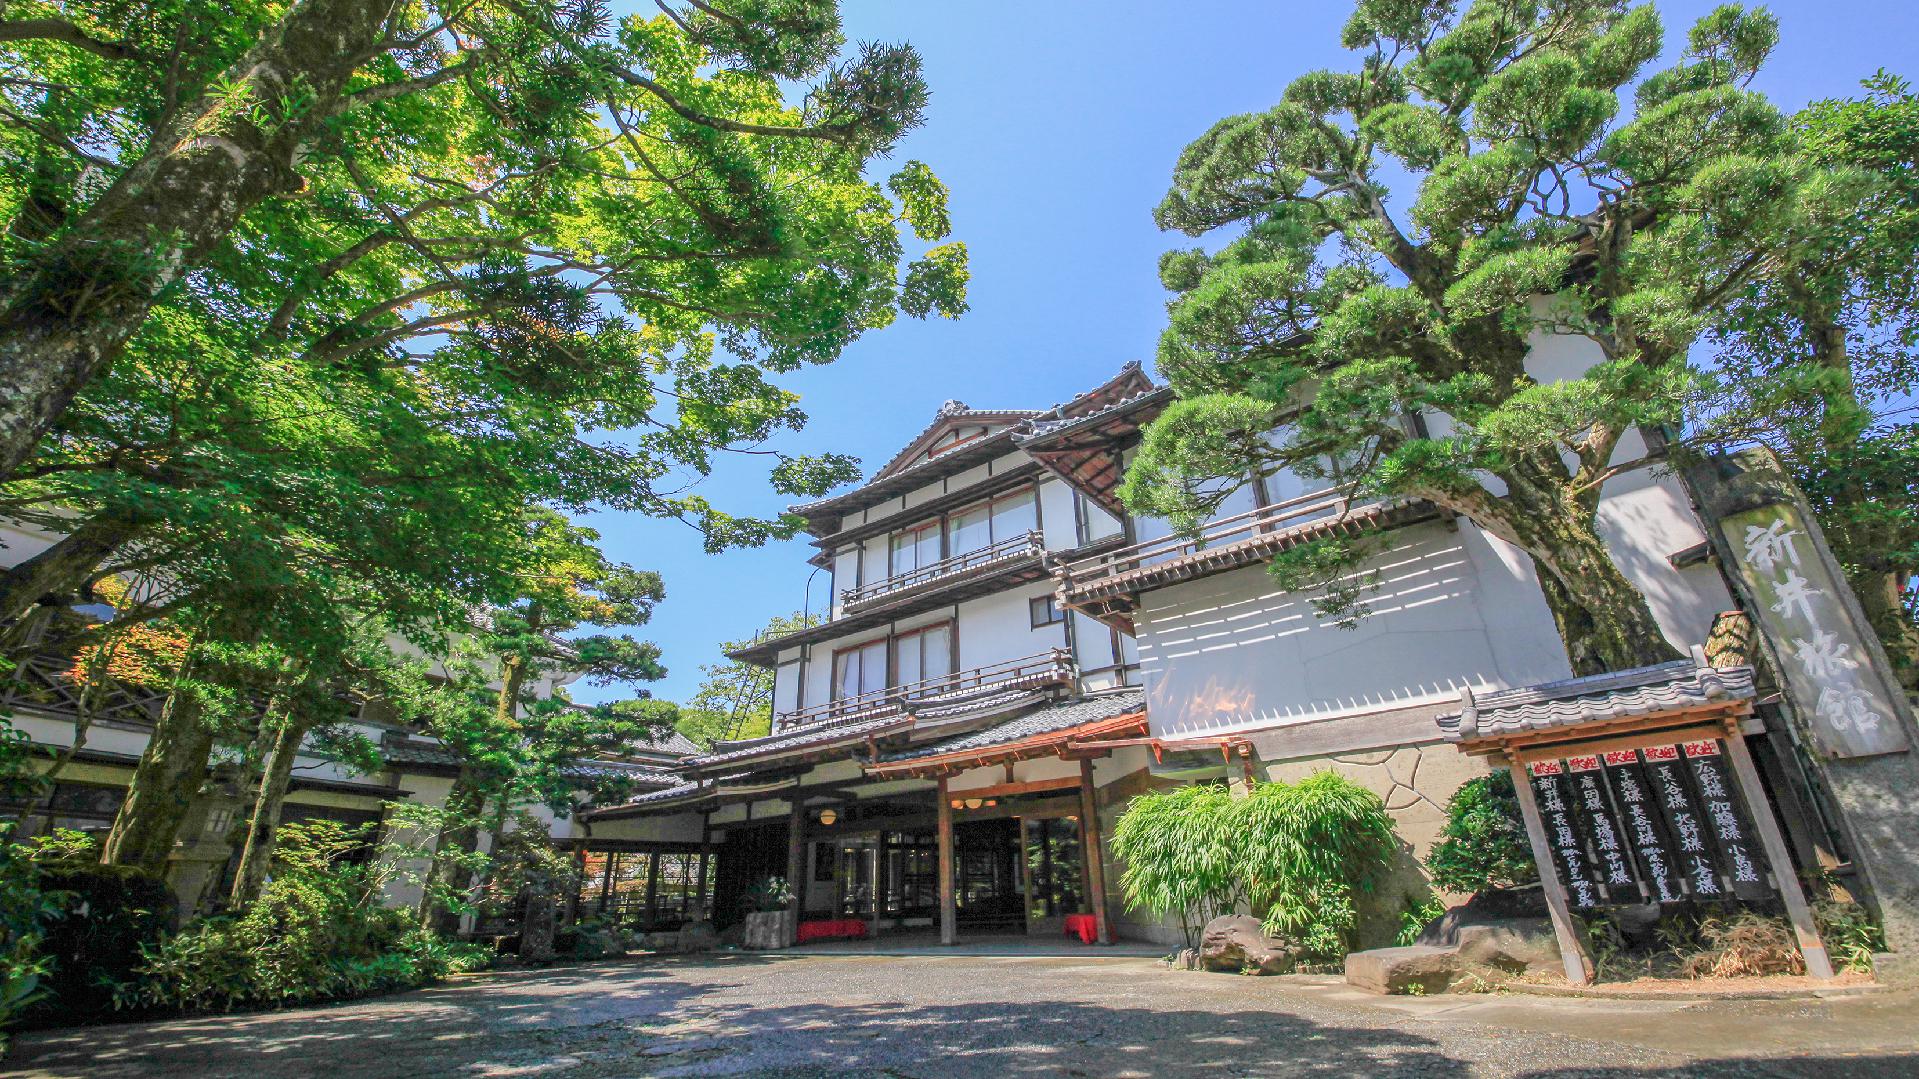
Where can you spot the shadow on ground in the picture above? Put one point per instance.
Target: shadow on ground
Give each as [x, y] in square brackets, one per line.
[721, 1017]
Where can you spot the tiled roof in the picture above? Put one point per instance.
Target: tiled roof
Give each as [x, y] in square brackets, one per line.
[1040, 721]
[802, 738]
[1667, 687]
[1045, 425]
[410, 752]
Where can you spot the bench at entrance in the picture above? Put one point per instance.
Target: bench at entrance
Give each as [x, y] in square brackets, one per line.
[1083, 926]
[832, 929]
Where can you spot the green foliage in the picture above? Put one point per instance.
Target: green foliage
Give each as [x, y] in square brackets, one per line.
[1394, 237]
[1307, 849]
[108, 915]
[317, 932]
[1297, 852]
[1417, 916]
[766, 895]
[26, 903]
[1851, 933]
[1180, 855]
[1483, 844]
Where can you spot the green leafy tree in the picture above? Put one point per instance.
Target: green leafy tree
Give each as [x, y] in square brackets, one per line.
[1554, 190]
[1819, 356]
[1180, 856]
[359, 179]
[735, 700]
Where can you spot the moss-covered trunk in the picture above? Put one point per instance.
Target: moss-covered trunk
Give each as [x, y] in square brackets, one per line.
[88, 291]
[167, 779]
[256, 852]
[1603, 619]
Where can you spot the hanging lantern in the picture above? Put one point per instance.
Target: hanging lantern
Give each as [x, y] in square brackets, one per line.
[828, 816]
[973, 803]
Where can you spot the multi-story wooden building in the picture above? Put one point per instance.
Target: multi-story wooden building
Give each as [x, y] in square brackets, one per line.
[1008, 657]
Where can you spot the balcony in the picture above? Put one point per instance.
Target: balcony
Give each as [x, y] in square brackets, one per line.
[1050, 668]
[1107, 585]
[49, 682]
[983, 562]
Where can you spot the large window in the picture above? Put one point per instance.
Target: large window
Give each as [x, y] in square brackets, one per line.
[859, 669]
[986, 523]
[917, 655]
[83, 807]
[645, 889]
[915, 547]
[925, 654]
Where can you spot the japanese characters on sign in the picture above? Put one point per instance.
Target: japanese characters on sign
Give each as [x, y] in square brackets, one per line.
[1645, 833]
[1826, 666]
[1555, 811]
[1658, 824]
[1737, 857]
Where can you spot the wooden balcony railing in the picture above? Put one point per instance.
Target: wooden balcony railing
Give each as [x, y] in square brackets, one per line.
[52, 683]
[1023, 546]
[1244, 533]
[1045, 668]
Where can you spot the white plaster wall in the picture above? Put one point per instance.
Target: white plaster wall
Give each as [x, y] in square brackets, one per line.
[678, 828]
[1234, 652]
[1056, 514]
[786, 686]
[1000, 627]
[1645, 518]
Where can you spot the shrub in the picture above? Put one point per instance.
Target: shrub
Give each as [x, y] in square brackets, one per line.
[1484, 842]
[1309, 848]
[1295, 852]
[1851, 933]
[315, 933]
[107, 916]
[1180, 855]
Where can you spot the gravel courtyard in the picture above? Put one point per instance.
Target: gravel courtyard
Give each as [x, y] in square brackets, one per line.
[980, 1016]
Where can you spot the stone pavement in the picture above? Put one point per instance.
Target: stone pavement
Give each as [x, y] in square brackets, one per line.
[996, 1017]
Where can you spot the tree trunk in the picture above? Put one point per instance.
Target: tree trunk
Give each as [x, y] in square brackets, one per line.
[168, 777]
[1882, 596]
[71, 313]
[1603, 619]
[448, 875]
[60, 569]
[465, 802]
[256, 855]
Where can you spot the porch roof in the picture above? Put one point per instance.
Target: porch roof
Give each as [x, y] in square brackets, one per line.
[1576, 707]
[1041, 730]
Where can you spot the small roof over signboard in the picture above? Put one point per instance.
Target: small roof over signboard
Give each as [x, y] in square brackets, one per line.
[1681, 691]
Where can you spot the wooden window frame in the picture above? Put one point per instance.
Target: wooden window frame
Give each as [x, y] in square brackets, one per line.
[892, 642]
[1058, 617]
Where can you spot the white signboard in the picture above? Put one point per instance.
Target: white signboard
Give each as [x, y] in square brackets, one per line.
[1827, 669]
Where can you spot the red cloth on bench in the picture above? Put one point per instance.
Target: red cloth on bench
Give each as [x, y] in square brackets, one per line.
[1083, 926]
[832, 929]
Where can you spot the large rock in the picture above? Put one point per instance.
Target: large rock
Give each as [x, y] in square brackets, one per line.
[1234, 944]
[1415, 968]
[1505, 929]
[697, 937]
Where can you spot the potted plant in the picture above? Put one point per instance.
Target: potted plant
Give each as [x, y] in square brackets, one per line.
[769, 921]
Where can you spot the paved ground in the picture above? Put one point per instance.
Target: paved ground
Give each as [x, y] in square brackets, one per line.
[996, 1017]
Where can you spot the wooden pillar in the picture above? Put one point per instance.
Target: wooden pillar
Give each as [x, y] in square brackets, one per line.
[795, 866]
[1089, 836]
[1572, 953]
[1025, 874]
[878, 885]
[1814, 949]
[706, 857]
[948, 917]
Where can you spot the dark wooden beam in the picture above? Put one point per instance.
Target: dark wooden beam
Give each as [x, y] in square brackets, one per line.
[948, 918]
[1095, 867]
[795, 867]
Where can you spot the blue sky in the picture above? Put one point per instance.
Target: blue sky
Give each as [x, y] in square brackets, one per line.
[1056, 125]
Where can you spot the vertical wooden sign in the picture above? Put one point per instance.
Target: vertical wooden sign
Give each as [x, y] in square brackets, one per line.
[1824, 658]
[1643, 832]
[1555, 811]
[1684, 822]
[1603, 825]
[1728, 823]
